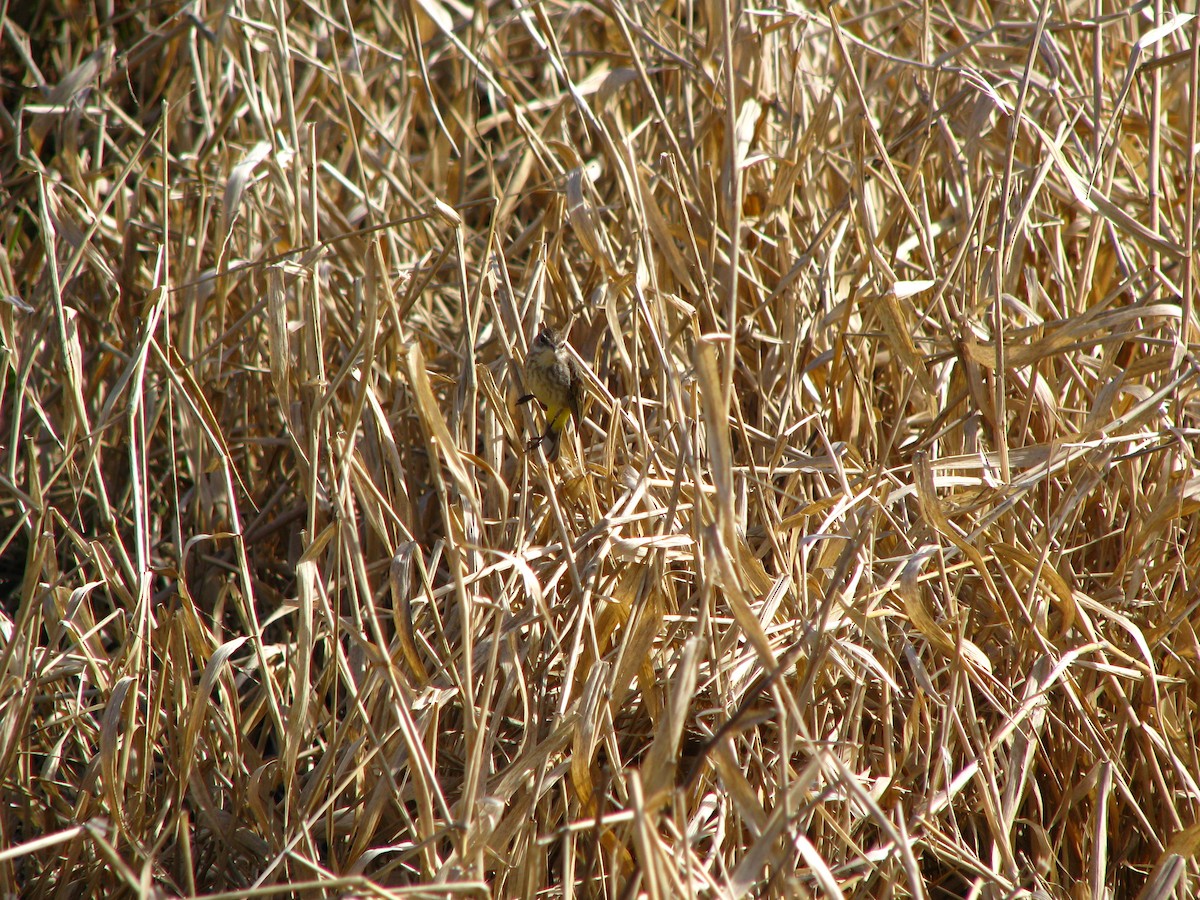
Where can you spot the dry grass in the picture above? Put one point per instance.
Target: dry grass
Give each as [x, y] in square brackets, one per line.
[873, 570]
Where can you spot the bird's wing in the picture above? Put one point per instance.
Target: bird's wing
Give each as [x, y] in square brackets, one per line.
[576, 392]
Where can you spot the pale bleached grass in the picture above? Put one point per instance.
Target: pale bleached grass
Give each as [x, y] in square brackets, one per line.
[871, 572]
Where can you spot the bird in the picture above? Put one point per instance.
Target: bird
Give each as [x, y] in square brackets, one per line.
[553, 379]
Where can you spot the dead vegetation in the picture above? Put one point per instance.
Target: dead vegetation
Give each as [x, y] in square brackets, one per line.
[872, 570]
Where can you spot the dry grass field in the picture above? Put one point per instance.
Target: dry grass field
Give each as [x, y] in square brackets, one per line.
[872, 569]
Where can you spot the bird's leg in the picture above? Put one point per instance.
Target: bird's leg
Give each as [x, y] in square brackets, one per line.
[534, 443]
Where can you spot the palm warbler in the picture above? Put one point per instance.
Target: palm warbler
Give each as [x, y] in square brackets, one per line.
[553, 380]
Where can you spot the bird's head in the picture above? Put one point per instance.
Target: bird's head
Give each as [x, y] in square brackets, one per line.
[547, 338]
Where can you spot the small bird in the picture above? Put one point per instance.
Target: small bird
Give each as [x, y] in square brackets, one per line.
[553, 379]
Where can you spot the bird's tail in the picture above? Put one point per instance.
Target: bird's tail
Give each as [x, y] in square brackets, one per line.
[552, 443]
[552, 439]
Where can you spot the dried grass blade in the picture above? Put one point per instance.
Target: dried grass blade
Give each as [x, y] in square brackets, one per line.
[430, 416]
[1092, 200]
[586, 222]
[199, 701]
[112, 725]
